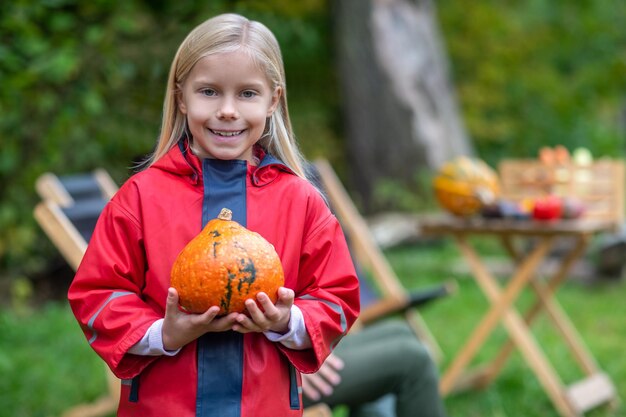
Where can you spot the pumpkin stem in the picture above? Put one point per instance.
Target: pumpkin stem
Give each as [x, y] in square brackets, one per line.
[225, 214]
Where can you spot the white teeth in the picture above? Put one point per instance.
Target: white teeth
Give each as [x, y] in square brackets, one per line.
[226, 133]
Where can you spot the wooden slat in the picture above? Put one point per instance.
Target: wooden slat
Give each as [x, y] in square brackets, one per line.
[61, 231]
[476, 378]
[72, 246]
[358, 231]
[317, 410]
[106, 183]
[49, 187]
[369, 255]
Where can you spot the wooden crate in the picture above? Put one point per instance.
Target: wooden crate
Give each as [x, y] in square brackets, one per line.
[599, 185]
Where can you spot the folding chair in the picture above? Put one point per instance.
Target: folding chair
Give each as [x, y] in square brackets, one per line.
[66, 190]
[393, 298]
[68, 213]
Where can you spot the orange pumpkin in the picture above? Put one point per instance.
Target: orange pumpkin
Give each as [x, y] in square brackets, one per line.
[225, 265]
[464, 185]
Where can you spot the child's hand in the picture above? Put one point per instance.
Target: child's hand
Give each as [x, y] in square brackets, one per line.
[269, 316]
[180, 328]
[322, 383]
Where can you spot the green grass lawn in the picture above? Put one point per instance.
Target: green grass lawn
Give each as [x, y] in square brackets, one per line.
[47, 365]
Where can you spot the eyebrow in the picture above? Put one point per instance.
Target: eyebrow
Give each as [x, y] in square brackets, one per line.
[243, 85]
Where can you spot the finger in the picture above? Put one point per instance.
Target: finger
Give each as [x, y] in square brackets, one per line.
[265, 301]
[286, 296]
[320, 384]
[245, 324]
[223, 323]
[207, 317]
[240, 329]
[270, 312]
[256, 314]
[171, 303]
[335, 362]
[330, 374]
[308, 389]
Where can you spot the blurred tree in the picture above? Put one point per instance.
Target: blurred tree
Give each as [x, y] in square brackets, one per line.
[400, 109]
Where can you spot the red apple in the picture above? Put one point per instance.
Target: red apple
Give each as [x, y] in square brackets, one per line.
[547, 208]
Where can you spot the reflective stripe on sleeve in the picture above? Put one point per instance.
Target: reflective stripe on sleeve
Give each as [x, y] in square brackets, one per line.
[93, 318]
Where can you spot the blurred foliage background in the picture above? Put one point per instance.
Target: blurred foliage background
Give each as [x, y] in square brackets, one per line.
[539, 73]
[82, 83]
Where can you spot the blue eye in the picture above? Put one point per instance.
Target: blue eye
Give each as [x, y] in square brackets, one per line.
[209, 92]
[248, 94]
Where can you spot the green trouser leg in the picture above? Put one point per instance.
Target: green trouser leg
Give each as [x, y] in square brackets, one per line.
[382, 407]
[386, 359]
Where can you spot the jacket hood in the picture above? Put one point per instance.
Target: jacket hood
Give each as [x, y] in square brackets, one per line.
[179, 160]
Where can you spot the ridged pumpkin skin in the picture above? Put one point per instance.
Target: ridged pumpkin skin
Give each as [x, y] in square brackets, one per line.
[225, 265]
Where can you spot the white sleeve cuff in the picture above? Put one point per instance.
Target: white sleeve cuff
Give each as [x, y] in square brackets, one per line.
[151, 344]
[297, 337]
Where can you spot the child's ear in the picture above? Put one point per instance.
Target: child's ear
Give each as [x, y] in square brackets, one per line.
[179, 99]
[278, 92]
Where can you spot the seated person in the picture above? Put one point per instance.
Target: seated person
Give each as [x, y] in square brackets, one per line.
[376, 369]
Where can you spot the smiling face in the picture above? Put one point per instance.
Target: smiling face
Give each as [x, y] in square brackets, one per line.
[227, 99]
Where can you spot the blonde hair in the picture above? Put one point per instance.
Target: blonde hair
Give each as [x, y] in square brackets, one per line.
[227, 33]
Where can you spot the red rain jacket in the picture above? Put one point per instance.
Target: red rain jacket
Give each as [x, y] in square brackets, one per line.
[121, 286]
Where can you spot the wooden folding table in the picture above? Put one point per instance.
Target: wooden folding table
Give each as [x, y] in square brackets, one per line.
[570, 400]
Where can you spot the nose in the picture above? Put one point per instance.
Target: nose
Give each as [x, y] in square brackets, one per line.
[227, 109]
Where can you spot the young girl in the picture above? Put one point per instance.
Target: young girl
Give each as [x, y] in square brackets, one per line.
[225, 141]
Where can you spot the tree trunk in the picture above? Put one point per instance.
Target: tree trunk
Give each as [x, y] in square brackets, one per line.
[400, 110]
